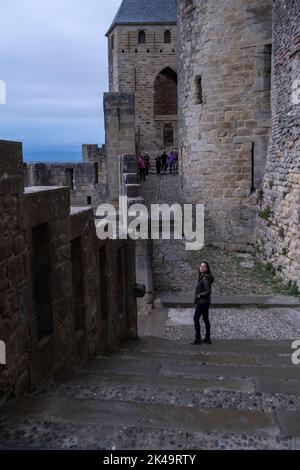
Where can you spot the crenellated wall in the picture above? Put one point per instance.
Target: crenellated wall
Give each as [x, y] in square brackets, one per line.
[87, 181]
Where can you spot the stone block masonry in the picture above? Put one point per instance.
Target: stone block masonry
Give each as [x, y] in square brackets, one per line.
[278, 238]
[224, 59]
[65, 296]
[134, 67]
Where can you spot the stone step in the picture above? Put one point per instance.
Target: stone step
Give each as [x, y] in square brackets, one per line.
[192, 369]
[206, 393]
[231, 346]
[131, 178]
[132, 190]
[289, 422]
[97, 413]
[202, 354]
[135, 200]
[198, 370]
[172, 384]
[38, 434]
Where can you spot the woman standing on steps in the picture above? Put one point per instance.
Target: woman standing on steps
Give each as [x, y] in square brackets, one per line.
[203, 301]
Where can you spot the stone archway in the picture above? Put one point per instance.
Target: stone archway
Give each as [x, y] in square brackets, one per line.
[165, 93]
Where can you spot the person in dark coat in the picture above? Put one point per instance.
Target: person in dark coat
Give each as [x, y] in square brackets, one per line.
[203, 302]
[164, 163]
[147, 163]
[158, 164]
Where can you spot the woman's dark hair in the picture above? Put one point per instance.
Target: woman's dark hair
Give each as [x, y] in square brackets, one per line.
[208, 271]
[207, 265]
[208, 268]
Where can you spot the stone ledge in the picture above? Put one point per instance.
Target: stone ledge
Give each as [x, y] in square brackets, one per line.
[231, 301]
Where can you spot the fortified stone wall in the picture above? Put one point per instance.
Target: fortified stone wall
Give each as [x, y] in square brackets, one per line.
[279, 216]
[65, 296]
[133, 68]
[87, 181]
[224, 111]
[92, 153]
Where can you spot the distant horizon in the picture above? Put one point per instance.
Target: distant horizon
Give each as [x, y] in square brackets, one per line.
[54, 64]
[42, 154]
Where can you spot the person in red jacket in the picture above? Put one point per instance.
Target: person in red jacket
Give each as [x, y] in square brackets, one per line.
[142, 168]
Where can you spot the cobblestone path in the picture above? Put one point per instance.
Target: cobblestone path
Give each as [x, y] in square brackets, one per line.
[175, 269]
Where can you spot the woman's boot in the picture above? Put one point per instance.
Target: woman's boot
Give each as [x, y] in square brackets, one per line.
[197, 341]
[207, 340]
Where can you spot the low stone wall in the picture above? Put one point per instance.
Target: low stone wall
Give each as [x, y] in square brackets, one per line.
[87, 181]
[130, 187]
[65, 296]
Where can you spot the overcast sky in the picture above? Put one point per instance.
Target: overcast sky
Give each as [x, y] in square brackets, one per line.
[53, 58]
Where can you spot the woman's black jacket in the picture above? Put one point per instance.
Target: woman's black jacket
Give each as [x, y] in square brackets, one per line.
[203, 289]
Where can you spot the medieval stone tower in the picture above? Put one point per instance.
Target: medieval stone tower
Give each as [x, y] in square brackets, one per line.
[224, 51]
[142, 43]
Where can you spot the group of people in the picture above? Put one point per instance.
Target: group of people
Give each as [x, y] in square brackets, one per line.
[164, 163]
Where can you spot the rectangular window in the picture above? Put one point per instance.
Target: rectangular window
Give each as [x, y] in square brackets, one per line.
[103, 283]
[142, 37]
[267, 67]
[104, 309]
[42, 286]
[198, 90]
[121, 282]
[253, 168]
[78, 284]
[96, 172]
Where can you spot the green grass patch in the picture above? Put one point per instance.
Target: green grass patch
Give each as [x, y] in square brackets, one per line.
[265, 273]
[265, 213]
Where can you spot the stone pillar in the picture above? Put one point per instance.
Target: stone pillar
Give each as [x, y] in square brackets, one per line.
[119, 135]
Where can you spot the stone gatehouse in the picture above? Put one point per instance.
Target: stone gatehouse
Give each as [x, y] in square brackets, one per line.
[142, 44]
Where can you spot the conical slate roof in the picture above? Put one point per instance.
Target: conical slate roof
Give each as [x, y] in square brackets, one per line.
[145, 12]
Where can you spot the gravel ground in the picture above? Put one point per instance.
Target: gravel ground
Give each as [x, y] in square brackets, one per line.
[263, 402]
[51, 434]
[250, 323]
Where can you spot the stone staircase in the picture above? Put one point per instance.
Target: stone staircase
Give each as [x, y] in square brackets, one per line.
[156, 393]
